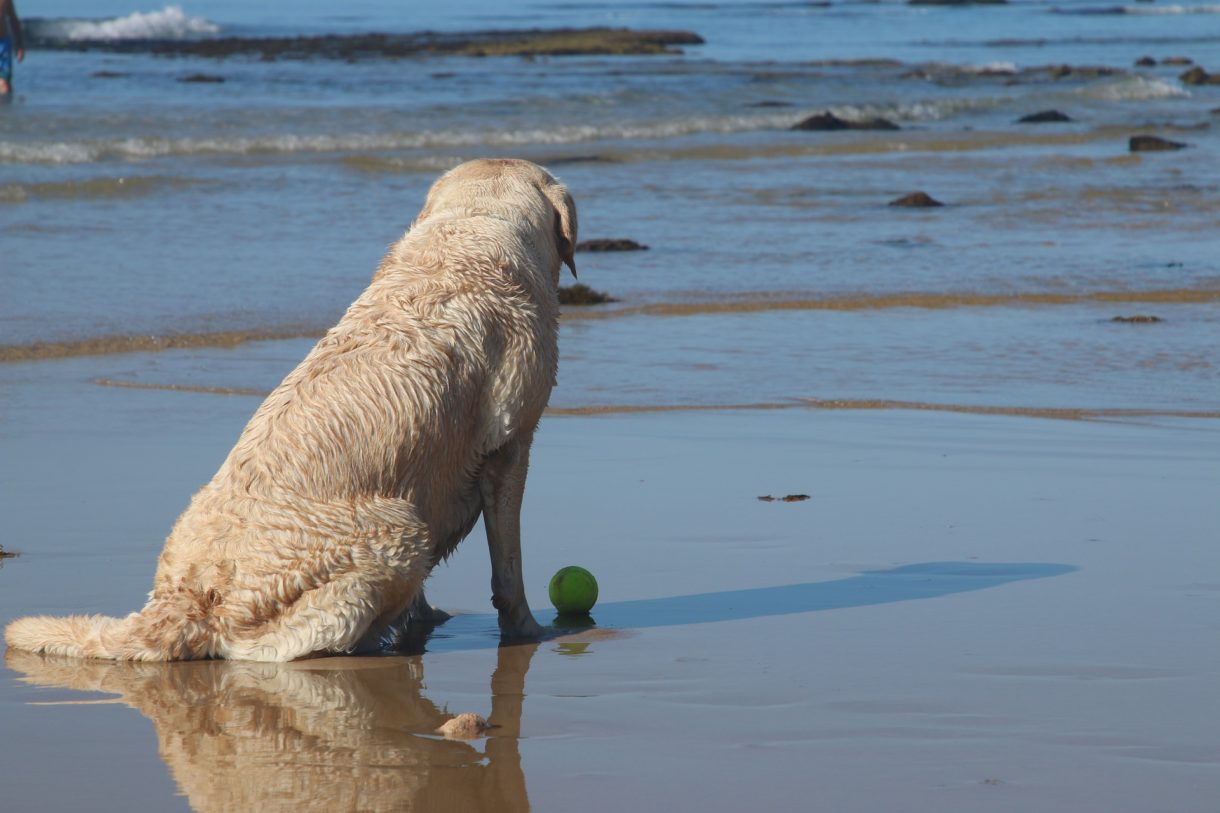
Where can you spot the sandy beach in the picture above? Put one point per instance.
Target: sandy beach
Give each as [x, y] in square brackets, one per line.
[971, 612]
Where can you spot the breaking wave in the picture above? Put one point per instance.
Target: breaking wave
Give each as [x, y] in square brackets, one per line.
[364, 153]
[144, 147]
[1150, 10]
[1133, 88]
[170, 23]
[1142, 10]
[66, 152]
[916, 111]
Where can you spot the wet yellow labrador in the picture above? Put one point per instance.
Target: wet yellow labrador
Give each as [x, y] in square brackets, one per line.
[376, 455]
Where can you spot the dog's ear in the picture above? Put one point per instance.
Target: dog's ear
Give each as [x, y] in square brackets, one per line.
[565, 222]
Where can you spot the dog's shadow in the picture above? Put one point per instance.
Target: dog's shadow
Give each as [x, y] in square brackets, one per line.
[917, 582]
[326, 734]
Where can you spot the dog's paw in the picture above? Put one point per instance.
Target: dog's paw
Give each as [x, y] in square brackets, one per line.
[428, 615]
[524, 630]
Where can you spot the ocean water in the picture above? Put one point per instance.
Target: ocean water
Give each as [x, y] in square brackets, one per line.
[243, 216]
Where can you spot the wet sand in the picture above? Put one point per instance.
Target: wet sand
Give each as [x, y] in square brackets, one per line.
[760, 302]
[972, 612]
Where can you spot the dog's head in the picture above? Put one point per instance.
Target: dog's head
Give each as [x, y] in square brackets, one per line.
[512, 189]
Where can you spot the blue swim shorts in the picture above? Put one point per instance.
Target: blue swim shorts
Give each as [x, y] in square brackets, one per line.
[6, 58]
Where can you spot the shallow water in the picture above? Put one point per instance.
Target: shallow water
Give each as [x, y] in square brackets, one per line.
[137, 205]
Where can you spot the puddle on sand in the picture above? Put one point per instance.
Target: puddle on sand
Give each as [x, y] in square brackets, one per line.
[332, 734]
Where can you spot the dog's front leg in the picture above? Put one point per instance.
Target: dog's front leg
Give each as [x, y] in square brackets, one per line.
[502, 485]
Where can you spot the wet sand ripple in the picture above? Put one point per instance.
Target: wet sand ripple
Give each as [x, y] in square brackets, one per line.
[740, 303]
[1057, 413]
[109, 345]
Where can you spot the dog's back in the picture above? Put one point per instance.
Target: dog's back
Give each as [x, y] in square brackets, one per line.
[430, 369]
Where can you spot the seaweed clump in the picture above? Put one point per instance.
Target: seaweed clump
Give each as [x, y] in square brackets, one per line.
[610, 244]
[353, 47]
[581, 294]
[916, 200]
[573, 42]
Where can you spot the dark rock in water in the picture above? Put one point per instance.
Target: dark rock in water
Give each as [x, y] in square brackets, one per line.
[1044, 117]
[866, 62]
[1145, 62]
[916, 200]
[574, 42]
[6, 554]
[347, 47]
[1194, 76]
[827, 121]
[1150, 143]
[821, 121]
[108, 74]
[769, 103]
[1177, 60]
[943, 74]
[1081, 71]
[581, 294]
[613, 244]
[1198, 76]
[203, 78]
[1137, 320]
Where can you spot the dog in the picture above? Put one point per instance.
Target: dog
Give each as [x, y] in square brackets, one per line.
[375, 456]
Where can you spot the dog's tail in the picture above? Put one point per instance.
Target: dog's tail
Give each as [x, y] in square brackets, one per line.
[159, 632]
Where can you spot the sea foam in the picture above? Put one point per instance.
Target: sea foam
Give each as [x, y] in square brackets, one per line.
[1133, 88]
[170, 23]
[148, 146]
[1171, 10]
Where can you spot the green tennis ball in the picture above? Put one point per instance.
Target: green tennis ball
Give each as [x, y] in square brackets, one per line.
[573, 590]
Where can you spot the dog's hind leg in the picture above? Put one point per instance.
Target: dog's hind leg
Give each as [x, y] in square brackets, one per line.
[502, 483]
[341, 616]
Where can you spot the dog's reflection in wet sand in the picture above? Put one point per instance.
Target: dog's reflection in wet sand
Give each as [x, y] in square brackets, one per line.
[327, 734]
